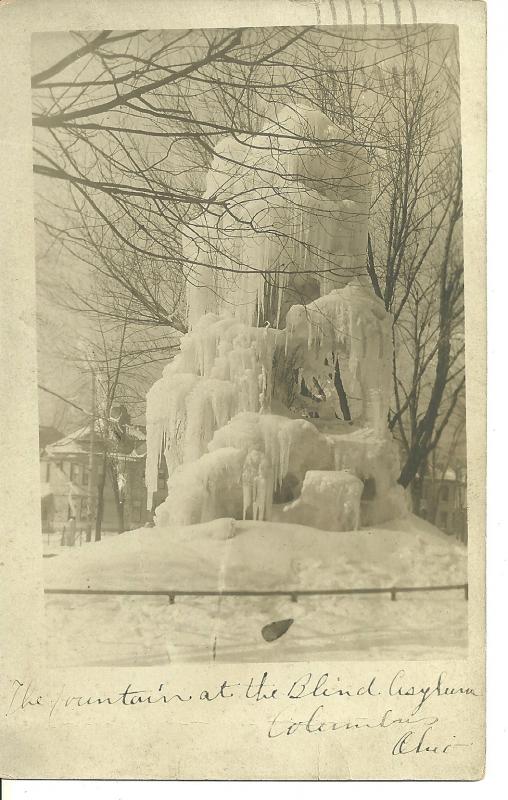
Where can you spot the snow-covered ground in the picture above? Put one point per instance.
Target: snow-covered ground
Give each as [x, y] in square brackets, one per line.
[226, 555]
[52, 541]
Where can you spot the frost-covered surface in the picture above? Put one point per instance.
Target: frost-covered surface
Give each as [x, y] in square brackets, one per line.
[227, 554]
[327, 496]
[301, 208]
[210, 413]
[350, 324]
[224, 367]
[280, 228]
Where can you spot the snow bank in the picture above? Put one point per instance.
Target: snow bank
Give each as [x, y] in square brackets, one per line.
[263, 555]
[260, 556]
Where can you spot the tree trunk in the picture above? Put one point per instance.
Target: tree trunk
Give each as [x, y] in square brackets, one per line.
[341, 392]
[91, 483]
[416, 496]
[120, 508]
[416, 488]
[121, 516]
[372, 270]
[100, 501]
[409, 470]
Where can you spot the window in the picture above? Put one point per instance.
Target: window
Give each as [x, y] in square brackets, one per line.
[86, 474]
[443, 519]
[136, 511]
[445, 493]
[83, 511]
[161, 479]
[75, 472]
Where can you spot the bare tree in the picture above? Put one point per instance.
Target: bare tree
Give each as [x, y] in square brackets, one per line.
[415, 249]
[129, 122]
[432, 334]
[116, 356]
[448, 454]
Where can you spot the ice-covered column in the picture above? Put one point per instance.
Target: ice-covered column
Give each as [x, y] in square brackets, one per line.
[290, 201]
[278, 297]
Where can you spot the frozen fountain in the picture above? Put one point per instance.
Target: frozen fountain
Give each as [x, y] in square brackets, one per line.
[274, 411]
[276, 406]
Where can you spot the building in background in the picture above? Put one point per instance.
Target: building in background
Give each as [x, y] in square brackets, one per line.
[444, 501]
[65, 470]
[47, 435]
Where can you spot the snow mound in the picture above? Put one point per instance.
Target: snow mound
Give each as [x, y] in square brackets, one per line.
[261, 556]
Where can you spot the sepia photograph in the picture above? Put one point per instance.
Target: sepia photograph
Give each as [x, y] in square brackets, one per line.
[251, 379]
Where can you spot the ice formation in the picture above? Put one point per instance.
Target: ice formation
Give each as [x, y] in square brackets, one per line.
[280, 417]
[325, 497]
[284, 201]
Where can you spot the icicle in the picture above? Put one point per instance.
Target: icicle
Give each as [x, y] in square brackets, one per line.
[205, 411]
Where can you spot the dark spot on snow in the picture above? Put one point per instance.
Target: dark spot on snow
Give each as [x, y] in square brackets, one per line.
[274, 630]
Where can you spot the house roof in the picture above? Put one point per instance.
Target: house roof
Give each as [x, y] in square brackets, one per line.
[47, 435]
[136, 432]
[78, 442]
[72, 443]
